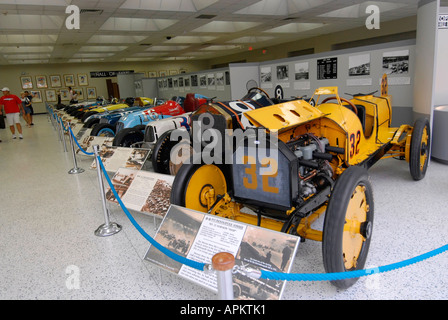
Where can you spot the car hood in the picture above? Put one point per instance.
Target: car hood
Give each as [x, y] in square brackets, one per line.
[283, 116]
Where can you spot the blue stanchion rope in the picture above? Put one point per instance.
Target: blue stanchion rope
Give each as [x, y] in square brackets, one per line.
[76, 141]
[191, 263]
[349, 274]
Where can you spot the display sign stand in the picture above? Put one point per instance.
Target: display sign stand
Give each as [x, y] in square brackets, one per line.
[199, 237]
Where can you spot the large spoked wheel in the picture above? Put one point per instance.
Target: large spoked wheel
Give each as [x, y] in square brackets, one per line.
[348, 225]
[419, 150]
[198, 187]
[161, 154]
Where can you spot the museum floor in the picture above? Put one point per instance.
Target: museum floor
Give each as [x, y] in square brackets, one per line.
[48, 218]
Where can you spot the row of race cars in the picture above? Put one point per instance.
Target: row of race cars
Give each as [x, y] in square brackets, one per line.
[325, 146]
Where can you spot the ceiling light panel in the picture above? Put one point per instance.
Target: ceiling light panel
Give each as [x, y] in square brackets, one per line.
[136, 24]
[115, 39]
[26, 56]
[190, 39]
[281, 7]
[222, 47]
[27, 39]
[166, 48]
[295, 27]
[26, 49]
[93, 55]
[168, 5]
[30, 22]
[226, 26]
[62, 3]
[251, 39]
[102, 48]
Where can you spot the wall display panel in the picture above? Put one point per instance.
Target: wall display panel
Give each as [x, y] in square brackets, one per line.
[50, 95]
[55, 81]
[26, 82]
[327, 68]
[210, 83]
[41, 82]
[83, 80]
[37, 96]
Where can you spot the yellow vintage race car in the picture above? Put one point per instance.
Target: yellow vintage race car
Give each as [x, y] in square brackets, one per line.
[317, 164]
[139, 101]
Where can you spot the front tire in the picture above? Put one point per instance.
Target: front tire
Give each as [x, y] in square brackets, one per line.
[348, 225]
[419, 149]
[197, 186]
[103, 130]
[161, 153]
[127, 137]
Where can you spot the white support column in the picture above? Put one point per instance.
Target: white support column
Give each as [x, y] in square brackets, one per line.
[426, 58]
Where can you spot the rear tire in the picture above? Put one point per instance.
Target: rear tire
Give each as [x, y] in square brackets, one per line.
[419, 150]
[348, 225]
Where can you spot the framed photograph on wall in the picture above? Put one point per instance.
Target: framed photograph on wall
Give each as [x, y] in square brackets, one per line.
[55, 81]
[91, 93]
[37, 97]
[162, 73]
[26, 82]
[65, 96]
[41, 82]
[50, 95]
[83, 80]
[80, 93]
[69, 80]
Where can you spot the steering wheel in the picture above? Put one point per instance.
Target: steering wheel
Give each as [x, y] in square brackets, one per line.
[352, 106]
[260, 90]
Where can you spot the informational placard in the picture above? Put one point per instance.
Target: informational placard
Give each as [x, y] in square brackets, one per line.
[198, 236]
[88, 141]
[82, 134]
[116, 157]
[142, 191]
[327, 68]
[443, 21]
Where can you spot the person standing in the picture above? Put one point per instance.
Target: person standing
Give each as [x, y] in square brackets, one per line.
[13, 106]
[26, 103]
[30, 97]
[73, 95]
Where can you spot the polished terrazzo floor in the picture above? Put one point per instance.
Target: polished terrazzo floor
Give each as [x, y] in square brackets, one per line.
[48, 249]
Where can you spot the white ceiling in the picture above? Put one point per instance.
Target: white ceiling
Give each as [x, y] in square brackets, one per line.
[33, 31]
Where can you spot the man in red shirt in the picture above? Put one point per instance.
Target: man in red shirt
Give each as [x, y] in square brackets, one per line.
[13, 106]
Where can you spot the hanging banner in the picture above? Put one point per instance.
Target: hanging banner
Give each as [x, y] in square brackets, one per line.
[108, 74]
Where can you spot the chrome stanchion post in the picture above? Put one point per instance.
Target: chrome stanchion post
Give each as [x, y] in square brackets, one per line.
[108, 228]
[64, 140]
[58, 126]
[223, 264]
[75, 168]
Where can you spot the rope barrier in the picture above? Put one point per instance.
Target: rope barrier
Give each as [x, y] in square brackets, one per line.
[191, 263]
[350, 274]
[267, 274]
